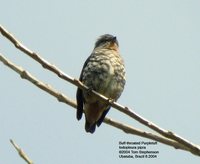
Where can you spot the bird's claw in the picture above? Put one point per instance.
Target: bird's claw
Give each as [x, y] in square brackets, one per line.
[110, 100]
[89, 90]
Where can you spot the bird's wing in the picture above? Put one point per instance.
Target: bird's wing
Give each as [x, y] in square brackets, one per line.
[79, 95]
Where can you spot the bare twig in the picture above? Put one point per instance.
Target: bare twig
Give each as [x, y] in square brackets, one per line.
[194, 148]
[62, 98]
[26, 75]
[130, 130]
[21, 153]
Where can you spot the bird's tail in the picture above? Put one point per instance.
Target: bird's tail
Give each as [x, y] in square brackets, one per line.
[90, 127]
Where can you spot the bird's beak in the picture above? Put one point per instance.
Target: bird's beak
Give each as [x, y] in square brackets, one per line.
[114, 39]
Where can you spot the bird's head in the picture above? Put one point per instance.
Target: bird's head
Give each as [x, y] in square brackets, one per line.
[107, 41]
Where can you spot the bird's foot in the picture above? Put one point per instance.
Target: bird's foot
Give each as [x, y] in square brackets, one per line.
[89, 90]
[111, 101]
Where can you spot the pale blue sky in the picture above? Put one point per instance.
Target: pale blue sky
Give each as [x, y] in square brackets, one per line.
[159, 41]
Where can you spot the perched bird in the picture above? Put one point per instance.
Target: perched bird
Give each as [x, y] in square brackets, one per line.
[104, 73]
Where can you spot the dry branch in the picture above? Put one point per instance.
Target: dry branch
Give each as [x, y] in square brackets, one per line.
[21, 153]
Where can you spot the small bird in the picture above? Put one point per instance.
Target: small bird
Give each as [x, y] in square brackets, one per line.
[103, 72]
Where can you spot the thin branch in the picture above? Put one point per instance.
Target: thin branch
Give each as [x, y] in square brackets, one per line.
[125, 110]
[62, 98]
[46, 87]
[165, 133]
[130, 130]
[21, 153]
